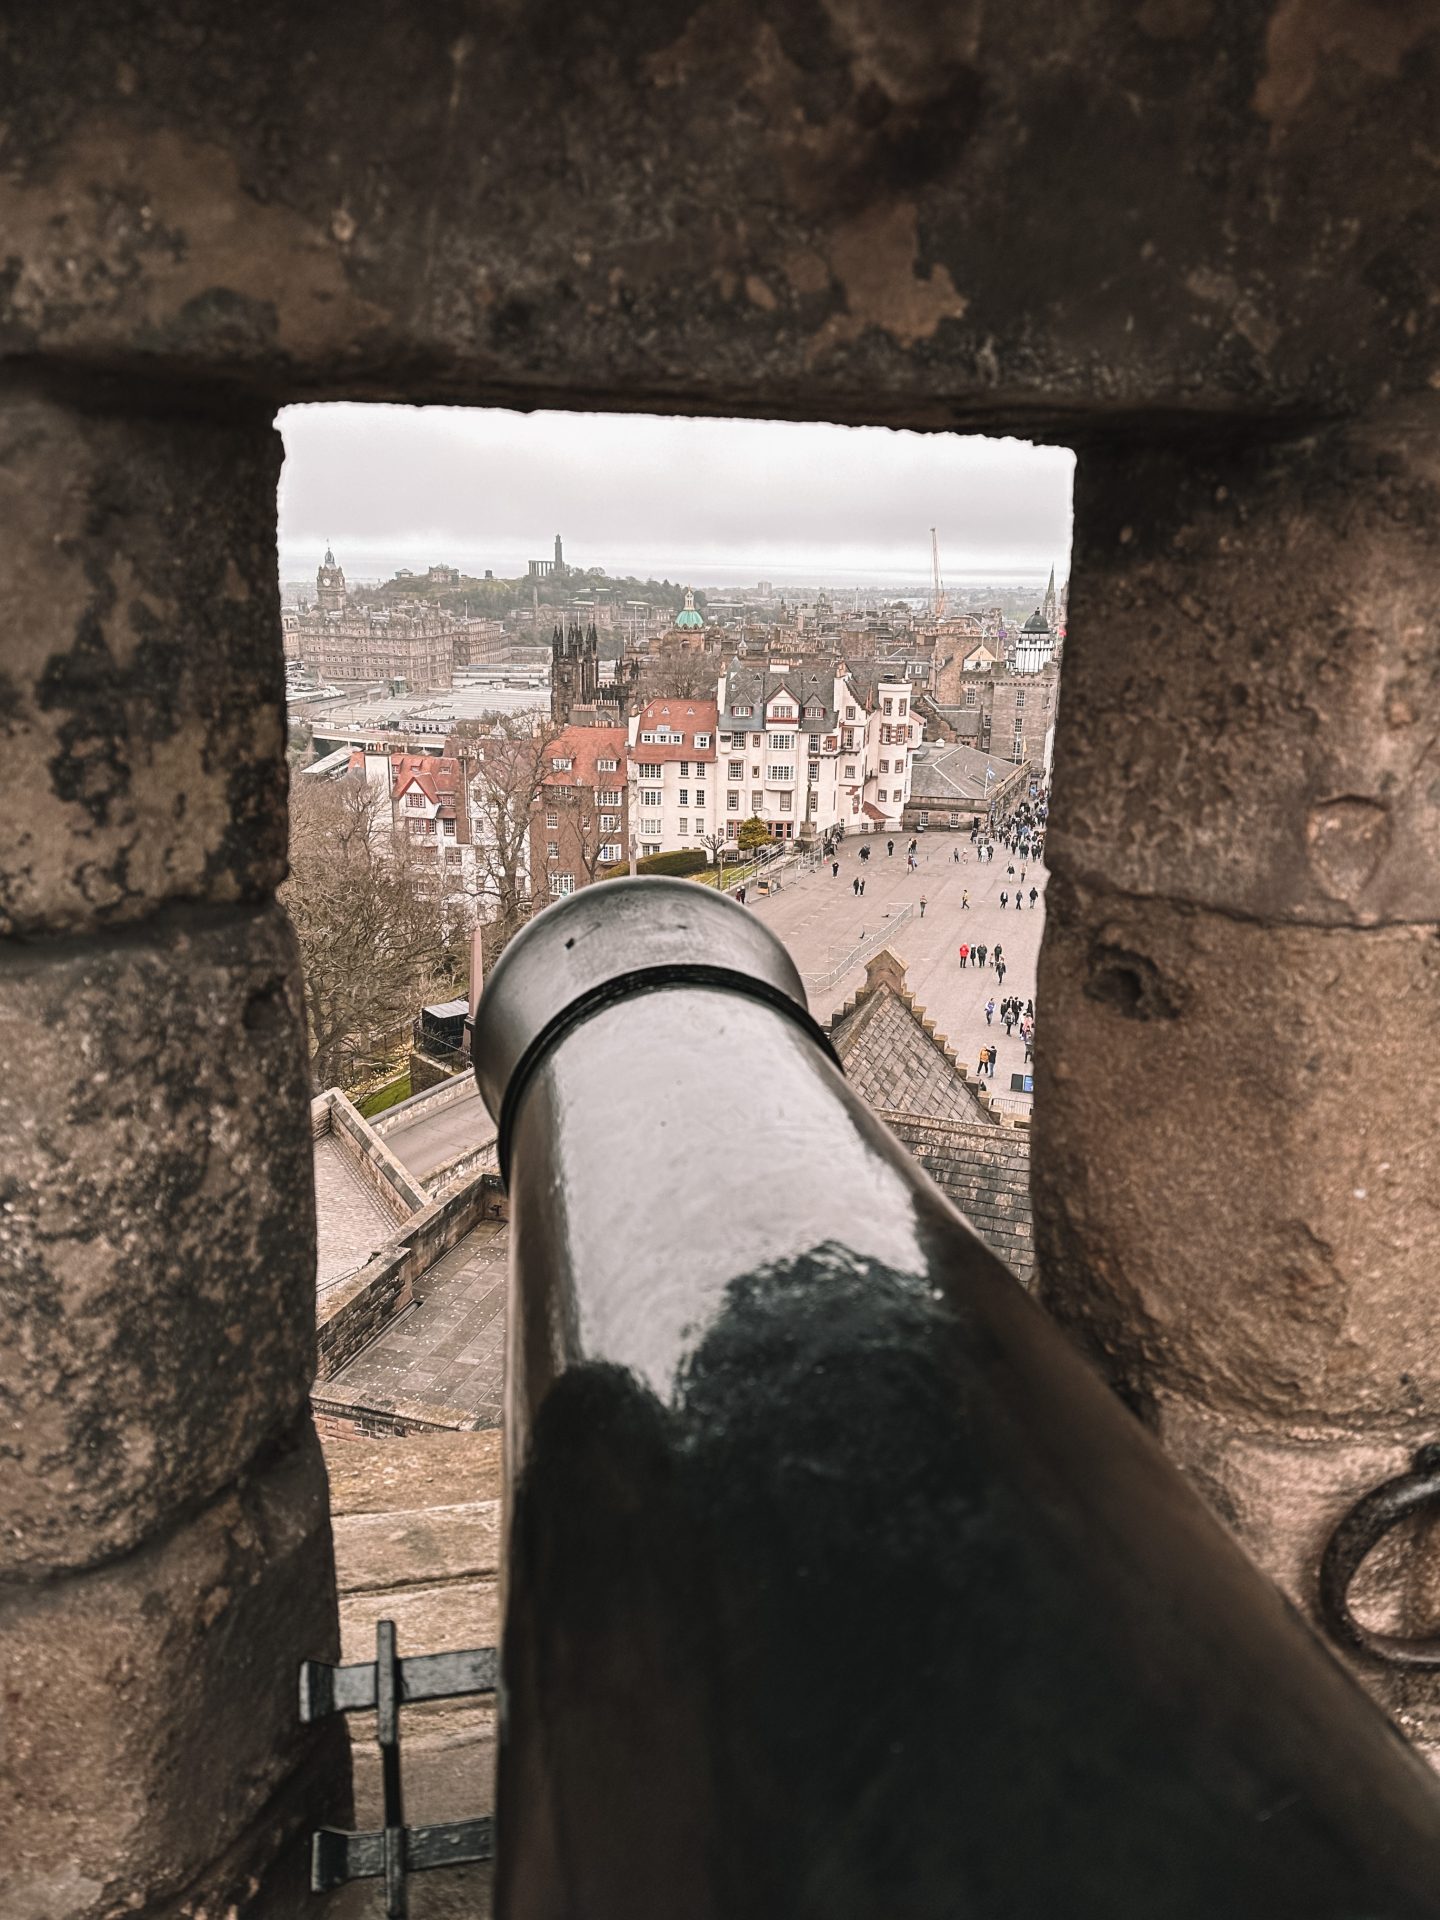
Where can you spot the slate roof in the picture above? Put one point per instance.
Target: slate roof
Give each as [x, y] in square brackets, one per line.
[985, 1171]
[910, 1076]
[947, 774]
[756, 687]
[893, 1056]
[866, 678]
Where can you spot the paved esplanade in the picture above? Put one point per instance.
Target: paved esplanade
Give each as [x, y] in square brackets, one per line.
[820, 920]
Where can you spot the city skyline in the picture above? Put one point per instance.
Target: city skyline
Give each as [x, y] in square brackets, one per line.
[712, 502]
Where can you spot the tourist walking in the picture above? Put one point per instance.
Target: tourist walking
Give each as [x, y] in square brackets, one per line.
[1004, 899]
[835, 869]
[964, 897]
[862, 889]
[1034, 896]
[989, 1011]
[922, 906]
[980, 952]
[889, 846]
[855, 886]
[964, 953]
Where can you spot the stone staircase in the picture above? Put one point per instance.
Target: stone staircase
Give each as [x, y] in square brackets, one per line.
[417, 1537]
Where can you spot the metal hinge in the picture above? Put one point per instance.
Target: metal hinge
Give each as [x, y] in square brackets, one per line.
[388, 1683]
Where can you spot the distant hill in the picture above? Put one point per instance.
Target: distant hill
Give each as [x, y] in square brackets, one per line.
[495, 598]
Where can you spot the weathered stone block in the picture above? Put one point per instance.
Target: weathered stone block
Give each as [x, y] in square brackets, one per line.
[1283, 1490]
[157, 1235]
[1251, 689]
[151, 1706]
[1251, 230]
[141, 671]
[1237, 1177]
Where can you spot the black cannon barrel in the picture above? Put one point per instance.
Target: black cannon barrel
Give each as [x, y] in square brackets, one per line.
[837, 1585]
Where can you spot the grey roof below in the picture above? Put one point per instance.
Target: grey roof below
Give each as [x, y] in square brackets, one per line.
[985, 1171]
[756, 687]
[954, 774]
[895, 1065]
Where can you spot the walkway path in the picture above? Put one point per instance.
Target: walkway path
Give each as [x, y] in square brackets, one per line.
[423, 1144]
[819, 919]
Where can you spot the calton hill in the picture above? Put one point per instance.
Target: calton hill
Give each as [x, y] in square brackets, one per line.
[496, 598]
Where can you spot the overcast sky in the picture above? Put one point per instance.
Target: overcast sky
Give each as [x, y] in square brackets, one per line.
[706, 501]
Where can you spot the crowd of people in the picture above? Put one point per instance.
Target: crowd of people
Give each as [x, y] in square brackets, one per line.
[1019, 838]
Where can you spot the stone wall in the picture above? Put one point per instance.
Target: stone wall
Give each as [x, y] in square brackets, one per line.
[355, 1311]
[858, 212]
[1241, 974]
[365, 1150]
[426, 1073]
[164, 1540]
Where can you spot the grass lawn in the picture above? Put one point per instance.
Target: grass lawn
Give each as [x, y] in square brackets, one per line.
[386, 1096]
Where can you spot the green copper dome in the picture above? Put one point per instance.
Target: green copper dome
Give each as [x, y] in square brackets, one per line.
[688, 617]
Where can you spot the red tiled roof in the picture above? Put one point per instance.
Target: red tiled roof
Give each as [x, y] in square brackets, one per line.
[437, 777]
[583, 746]
[683, 717]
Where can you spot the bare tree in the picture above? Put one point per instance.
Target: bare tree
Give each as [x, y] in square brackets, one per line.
[677, 673]
[587, 838]
[368, 921]
[715, 844]
[506, 757]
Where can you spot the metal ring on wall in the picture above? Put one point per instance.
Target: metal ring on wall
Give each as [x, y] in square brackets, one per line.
[1363, 1528]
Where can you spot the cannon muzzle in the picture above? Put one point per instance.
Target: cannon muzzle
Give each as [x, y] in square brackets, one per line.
[837, 1585]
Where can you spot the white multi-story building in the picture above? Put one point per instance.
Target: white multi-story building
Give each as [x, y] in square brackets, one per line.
[892, 733]
[802, 749]
[780, 750]
[674, 798]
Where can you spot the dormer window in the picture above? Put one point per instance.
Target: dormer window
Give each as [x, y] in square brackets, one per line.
[562, 765]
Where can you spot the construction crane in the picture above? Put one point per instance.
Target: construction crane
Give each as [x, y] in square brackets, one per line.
[938, 592]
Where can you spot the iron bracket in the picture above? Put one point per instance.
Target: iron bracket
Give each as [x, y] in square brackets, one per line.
[387, 1683]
